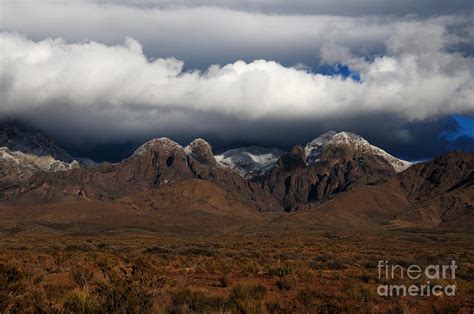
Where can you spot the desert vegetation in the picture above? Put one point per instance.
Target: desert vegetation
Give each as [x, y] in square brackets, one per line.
[264, 272]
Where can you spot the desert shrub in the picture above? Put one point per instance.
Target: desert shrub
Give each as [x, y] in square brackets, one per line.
[285, 270]
[198, 250]
[81, 276]
[293, 256]
[327, 262]
[187, 300]
[366, 277]
[225, 281]
[317, 302]
[81, 247]
[275, 307]
[102, 246]
[248, 291]
[248, 298]
[400, 308]
[356, 297]
[207, 265]
[254, 253]
[27, 300]
[284, 284]
[81, 301]
[358, 293]
[322, 258]
[334, 264]
[157, 250]
[9, 275]
[308, 298]
[125, 295]
[313, 264]
[465, 272]
[446, 308]
[250, 267]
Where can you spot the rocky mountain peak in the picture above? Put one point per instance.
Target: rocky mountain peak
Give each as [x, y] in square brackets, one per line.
[158, 144]
[17, 166]
[18, 137]
[345, 145]
[201, 150]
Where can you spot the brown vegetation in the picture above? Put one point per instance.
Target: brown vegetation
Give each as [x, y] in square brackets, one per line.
[262, 270]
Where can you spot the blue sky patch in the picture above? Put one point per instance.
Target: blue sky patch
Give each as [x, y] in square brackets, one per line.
[338, 70]
[465, 128]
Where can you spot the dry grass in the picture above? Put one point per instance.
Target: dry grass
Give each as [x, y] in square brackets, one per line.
[279, 271]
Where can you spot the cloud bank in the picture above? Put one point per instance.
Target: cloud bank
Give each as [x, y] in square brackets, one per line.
[203, 32]
[236, 70]
[417, 79]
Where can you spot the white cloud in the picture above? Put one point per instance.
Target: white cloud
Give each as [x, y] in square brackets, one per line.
[95, 77]
[410, 82]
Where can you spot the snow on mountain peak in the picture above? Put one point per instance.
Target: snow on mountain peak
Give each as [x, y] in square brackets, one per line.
[314, 148]
[18, 137]
[249, 161]
[162, 142]
[21, 165]
[201, 150]
[199, 142]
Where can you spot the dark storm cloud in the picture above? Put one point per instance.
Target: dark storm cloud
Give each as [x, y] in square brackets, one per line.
[329, 7]
[204, 33]
[413, 141]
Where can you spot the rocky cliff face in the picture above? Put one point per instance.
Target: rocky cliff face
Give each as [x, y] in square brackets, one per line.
[327, 166]
[17, 167]
[302, 185]
[330, 164]
[201, 150]
[25, 152]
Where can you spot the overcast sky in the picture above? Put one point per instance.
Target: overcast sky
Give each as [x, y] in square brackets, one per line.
[401, 73]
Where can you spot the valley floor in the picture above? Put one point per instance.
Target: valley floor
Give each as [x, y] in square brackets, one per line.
[280, 269]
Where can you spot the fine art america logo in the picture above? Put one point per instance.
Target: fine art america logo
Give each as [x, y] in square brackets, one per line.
[422, 281]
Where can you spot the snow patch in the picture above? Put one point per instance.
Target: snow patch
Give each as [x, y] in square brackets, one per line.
[249, 161]
[314, 148]
[163, 143]
[18, 163]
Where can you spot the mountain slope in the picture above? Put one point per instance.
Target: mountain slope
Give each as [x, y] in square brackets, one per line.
[434, 194]
[194, 207]
[254, 161]
[330, 164]
[336, 179]
[25, 151]
[441, 192]
[361, 146]
[155, 165]
[266, 178]
[16, 166]
[19, 137]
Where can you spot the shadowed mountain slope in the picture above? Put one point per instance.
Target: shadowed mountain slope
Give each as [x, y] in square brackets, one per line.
[438, 193]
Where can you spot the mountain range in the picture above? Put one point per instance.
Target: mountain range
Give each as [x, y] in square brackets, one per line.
[337, 180]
